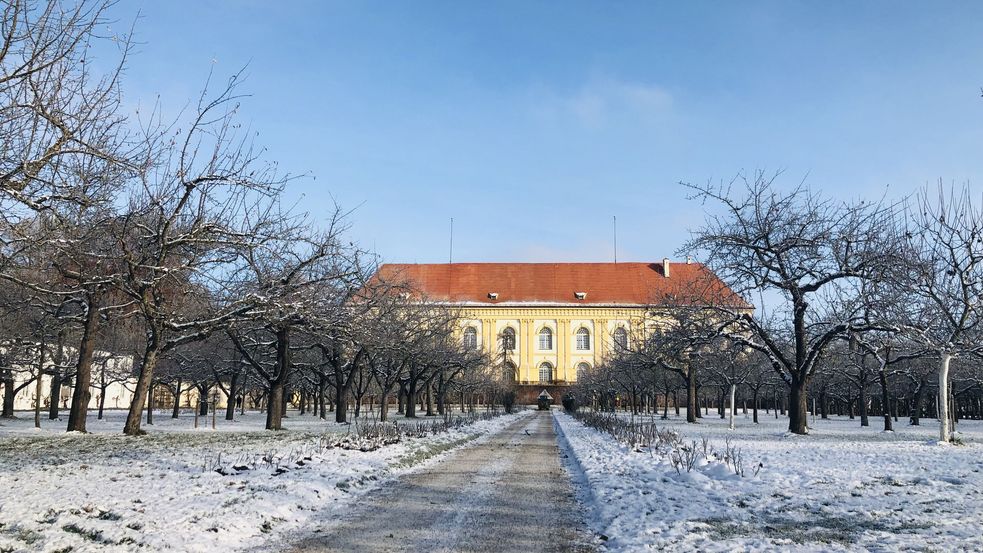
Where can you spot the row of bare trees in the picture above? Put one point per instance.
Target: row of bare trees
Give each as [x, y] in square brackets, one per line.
[867, 291]
[167, 242]
[848, 383]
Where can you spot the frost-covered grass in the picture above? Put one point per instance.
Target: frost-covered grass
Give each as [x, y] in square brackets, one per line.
[842, 488]
[107, 492]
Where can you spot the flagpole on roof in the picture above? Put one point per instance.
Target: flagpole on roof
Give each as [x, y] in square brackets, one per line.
[615, 239]
[451, 258]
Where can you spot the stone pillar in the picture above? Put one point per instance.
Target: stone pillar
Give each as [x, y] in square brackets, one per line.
[600, 340]
[562, 349]
[526, 332]
[489, 338]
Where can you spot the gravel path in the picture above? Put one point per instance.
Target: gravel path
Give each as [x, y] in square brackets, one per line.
[509, 493]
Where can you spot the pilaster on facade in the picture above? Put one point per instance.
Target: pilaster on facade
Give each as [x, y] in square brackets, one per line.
[488, 331]
[526, 331]
[559, 370]
[600, 340]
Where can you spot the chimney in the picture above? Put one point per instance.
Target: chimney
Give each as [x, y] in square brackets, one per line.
[665, 267]
[689, 259]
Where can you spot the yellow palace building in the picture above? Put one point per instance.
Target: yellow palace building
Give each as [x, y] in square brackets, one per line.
[550, 322]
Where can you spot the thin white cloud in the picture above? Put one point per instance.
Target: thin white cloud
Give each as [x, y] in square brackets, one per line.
[600, 101]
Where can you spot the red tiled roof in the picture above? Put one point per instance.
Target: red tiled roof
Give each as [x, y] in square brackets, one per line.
[603, 283]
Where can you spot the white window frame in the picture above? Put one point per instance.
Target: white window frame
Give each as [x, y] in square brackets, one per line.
[582, 369]
[512, 371]
[583, 339]
[546, 366]
[618, 333]
[546, 335]
[508, 332]
[470, 338]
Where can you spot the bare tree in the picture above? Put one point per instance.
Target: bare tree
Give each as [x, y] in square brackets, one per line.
[303, 279]
[732, 366]
[202, 199]
[55, 111]
[942, 283]
[801, 249]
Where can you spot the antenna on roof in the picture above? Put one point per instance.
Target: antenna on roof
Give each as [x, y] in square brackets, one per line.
[451, 259]
[615, 239]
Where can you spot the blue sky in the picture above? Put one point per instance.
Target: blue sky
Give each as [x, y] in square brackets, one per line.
[532, 123]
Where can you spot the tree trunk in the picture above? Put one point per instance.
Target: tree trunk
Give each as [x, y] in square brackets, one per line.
[38, 386]
[798, 408]
[754, 405]
[733, 393]
[55, 394]
[230, 398]
[341, 396]
[692, 407]
[944, 426]
[441, 394]
[176, 410]
[442, 401]
[150, 404]
[321, 402]
[886, 402]
[278, 388]
[384, 405]
[430, 411]
[916, 404]
[862, 405]
[102, 401]
[411, 398]
[340, 400]
[7, 379]
[202, 401]
[144, 378]
[83, 372]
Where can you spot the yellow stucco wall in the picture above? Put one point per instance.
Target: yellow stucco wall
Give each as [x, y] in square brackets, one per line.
[564, 322]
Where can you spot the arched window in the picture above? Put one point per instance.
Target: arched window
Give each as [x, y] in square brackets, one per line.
[583, 339]
[545, 373]
[546, 339]
[620, 338]
[582, 369]
[471, 338]
[511, 371]
[508, 338]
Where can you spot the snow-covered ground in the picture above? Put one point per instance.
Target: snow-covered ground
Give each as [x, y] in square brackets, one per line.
[107, 492]
[842, 488]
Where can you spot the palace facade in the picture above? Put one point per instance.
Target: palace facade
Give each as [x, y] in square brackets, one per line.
[550, 322]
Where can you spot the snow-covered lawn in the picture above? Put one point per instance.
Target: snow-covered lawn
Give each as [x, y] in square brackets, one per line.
[842, 488]
[107, 492]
